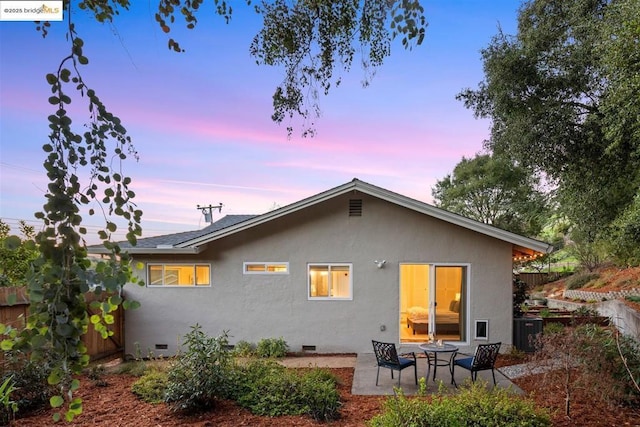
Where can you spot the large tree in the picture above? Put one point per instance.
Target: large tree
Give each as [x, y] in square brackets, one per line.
[314, 41]
[494, 191]
[557, 92]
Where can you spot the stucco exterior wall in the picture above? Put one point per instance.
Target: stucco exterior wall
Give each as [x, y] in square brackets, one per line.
[252, 307]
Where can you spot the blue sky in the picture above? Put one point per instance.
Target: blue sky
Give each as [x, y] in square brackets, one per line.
[200, 120]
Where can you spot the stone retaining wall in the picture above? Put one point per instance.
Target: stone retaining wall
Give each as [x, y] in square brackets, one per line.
[599, 296]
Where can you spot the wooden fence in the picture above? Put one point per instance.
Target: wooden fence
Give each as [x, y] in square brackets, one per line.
[536, 279]
[15, 315]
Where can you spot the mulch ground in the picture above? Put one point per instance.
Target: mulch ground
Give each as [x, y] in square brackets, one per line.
[115, 405]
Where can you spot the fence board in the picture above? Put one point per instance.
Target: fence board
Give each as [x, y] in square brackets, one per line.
[15, 315]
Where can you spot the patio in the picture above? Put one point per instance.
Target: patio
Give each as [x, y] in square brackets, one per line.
[364, 377]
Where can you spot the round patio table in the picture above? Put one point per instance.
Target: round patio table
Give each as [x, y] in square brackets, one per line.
[431, 350]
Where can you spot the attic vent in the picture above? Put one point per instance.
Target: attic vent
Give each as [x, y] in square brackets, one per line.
[355, 207]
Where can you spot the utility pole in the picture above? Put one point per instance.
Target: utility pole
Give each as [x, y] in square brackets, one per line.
[207, 211]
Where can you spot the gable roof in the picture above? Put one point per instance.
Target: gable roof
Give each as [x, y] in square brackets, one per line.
[196, 241]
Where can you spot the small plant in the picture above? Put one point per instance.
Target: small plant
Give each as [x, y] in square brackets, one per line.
[545, 312]
[243, 349]
[633, 298]
[9, 407]
[272, 347]
[151, 387]
[552, 328]
[96, 374]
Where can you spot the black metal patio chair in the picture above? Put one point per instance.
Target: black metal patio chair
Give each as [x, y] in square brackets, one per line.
[484, 359]
[387, 357]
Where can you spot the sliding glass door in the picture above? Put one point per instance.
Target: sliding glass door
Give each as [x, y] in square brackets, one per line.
[432, 301]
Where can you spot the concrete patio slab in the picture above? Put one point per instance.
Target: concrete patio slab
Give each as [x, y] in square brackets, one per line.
[364, 378]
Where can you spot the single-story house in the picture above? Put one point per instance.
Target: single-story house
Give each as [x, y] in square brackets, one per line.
[329, 274]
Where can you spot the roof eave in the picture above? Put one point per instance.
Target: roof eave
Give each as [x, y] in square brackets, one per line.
[152, 251]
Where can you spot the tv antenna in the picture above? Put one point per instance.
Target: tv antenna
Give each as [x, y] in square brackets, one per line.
[207, 211]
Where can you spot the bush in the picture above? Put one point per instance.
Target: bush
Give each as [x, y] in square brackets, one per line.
[269, 389]
[151, 387]
[474, 405]
[577, 281]
[29, 379]
[272, 347]
[200, 375]
[243, 349]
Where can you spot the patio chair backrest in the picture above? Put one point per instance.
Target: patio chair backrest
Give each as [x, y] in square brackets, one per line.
[485, 356]
[386, 353]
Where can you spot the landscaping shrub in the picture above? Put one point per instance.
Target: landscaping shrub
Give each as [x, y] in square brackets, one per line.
[151, 387]
[320, 395]
[201, 374]
[31, 389]
[272, 347]
[243, 349]
[577, 281]
[474, 405]
[269, 389]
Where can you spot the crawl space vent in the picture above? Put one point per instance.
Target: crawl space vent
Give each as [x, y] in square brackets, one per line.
[355, 207]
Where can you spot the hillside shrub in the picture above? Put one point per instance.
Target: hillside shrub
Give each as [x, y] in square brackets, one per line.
[272, 347]
[474, 405]
[578, 281]
[201, 374]
[151, 387]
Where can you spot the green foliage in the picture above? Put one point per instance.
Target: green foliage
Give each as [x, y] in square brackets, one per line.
[151, 387]
[29, 377]
[519, 297]
[633, 298]
[624, 236]
[313, 41]
[474, 405]
[494, 191]
[268, 388]
[577, 281]
[243, 349]
[201, 374]
[16, 254]
[8, 407]
[561, 96]
[272, 347]
[552, 328]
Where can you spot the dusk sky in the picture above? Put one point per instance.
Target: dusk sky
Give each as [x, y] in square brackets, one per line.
[201, 120]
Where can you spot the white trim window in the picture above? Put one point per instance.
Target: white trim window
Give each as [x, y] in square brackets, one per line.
[330, 281]
[265, 268]
[196, 275]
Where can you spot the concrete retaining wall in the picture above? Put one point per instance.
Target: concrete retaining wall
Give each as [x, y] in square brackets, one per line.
[626, 320]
